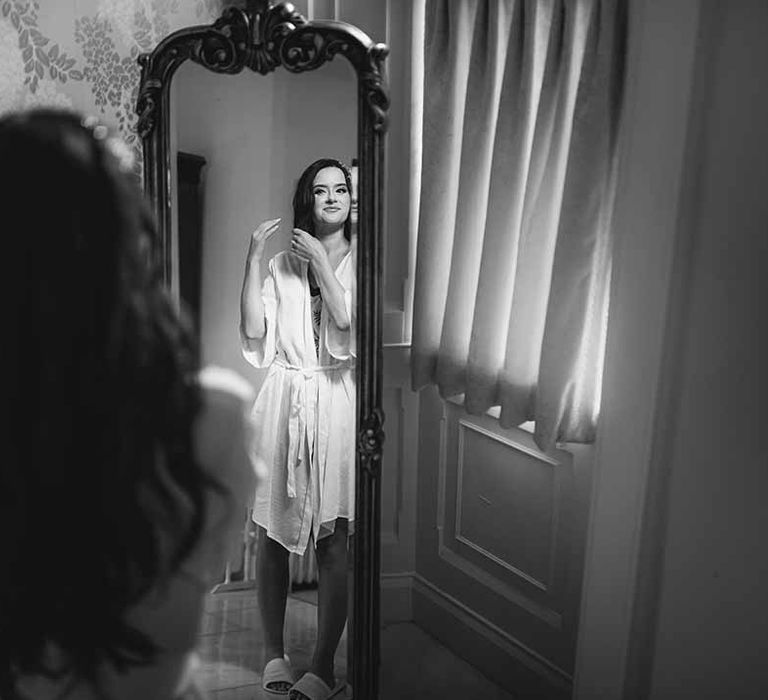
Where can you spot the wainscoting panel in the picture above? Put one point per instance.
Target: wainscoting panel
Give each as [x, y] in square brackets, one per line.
[392, 476]
[524, 546]
[500, 539]
[398, 487]
[494, 651]
[502, 519]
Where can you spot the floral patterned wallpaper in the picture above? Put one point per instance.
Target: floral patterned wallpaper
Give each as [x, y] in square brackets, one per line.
[82, 54]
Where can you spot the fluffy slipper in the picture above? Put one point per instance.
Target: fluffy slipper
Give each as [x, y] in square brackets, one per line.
[277, 672]
[312, 687]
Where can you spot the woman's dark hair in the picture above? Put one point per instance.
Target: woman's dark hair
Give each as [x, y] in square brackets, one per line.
[101, 497]
[304, 200]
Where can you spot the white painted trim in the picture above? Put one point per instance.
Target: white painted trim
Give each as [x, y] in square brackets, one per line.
[510, 442]
[651, 548]
[661, 67]
[401, 462]
[397, 597]
[544, 613]
[469, 618]
[389, 539]
[554, 493]
[513, 595]
[398, 451]
[393, 319]
[441, 470]
[495, 411]
[401, 586]
[398, 578]
[501, 562]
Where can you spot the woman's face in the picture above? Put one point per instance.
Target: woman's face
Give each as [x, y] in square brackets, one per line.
[331, 197]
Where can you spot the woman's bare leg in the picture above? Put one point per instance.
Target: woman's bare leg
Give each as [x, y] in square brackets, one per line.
[272, 581]
[331, 599]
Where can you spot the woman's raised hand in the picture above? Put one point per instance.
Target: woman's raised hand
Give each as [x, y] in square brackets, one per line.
[307, 247]
[259, 238]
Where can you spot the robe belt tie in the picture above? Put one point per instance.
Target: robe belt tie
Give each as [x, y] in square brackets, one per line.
[297, 416]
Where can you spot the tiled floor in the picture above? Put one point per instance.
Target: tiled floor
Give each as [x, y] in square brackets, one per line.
[414, 665]
[231, 645]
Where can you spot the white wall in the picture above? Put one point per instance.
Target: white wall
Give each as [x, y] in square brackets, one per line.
[662, 51]
[400, 464]
[676, 580]
[712, 632]
[257, 133]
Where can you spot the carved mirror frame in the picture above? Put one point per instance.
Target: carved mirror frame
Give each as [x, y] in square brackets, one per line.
[262, 37]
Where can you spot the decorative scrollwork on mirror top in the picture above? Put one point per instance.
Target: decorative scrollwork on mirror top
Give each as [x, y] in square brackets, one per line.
[263, 37]
[262, 41]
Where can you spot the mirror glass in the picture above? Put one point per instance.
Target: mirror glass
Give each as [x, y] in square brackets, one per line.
[239, 144]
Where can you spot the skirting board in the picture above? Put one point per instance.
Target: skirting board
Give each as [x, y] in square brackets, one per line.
[491, 650]
[396, 598]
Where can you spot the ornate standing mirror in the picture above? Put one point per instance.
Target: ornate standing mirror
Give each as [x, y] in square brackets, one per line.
[223, 150]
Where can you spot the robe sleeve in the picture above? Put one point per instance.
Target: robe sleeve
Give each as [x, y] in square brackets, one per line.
[343, 344]
[261, 351]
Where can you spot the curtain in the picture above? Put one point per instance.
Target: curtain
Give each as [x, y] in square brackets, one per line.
[521, 100]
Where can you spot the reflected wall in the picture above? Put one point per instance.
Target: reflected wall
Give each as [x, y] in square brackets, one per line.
[256, 134]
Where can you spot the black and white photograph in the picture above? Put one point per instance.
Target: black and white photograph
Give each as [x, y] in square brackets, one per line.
[384, 350]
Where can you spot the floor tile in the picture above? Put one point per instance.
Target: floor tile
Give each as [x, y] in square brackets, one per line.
[231, 644]
[246, 692]
[414, 666]
[231, 600]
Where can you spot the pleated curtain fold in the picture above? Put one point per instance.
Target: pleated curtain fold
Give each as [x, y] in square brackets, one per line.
[521, 104]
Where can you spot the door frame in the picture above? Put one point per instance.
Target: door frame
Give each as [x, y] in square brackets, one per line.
[627, 524]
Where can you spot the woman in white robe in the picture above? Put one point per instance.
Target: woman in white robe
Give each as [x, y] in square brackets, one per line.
[299, 321]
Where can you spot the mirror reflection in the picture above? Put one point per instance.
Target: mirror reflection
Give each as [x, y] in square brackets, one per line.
[265, 233]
